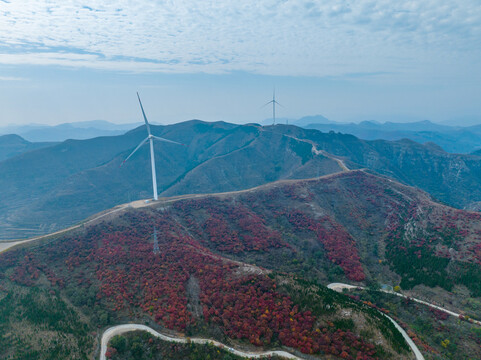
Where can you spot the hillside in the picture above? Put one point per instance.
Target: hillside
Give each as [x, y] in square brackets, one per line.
[51, 188]
[372, 220]
[54, 187]
[451, 178]
[13, 145]
[110, 272]
[246, 267]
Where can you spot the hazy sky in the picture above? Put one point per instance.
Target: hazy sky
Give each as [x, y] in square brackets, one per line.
[70, 60]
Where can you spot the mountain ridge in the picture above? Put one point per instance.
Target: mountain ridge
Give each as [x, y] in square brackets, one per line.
[453, 139]
[50, 188]
[12, 145]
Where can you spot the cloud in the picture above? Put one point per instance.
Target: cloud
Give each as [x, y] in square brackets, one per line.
[274, 37]
[12, 78]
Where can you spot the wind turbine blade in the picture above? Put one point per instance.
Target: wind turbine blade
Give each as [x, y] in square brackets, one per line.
[167, 140]
[143, 113]
[267, 103]
[137, 148]
[279, 104]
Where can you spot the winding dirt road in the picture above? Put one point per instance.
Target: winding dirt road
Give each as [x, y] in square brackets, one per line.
[406, 337]
[121, 329]
[339, 286]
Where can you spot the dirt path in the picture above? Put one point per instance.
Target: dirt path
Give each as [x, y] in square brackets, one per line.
[406, 337]
[5, 245]
[121, 329]
[339, 286]
[340, 162]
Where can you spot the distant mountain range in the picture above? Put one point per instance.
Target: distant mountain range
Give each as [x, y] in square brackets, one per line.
[453, 139]
[55, 186]
[77, 130]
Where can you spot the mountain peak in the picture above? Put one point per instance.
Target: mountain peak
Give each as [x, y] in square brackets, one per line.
[12, 139]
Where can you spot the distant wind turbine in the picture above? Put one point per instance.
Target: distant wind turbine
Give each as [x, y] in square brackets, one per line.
[274, 103]
[150, 138]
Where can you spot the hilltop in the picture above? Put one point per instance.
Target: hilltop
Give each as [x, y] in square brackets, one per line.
[240, 266]
[13, 145]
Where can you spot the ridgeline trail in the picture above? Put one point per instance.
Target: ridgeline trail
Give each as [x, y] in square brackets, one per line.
[5, 245]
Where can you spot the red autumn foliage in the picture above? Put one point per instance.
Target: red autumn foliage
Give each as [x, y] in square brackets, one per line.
[134, 281]
[340, 246]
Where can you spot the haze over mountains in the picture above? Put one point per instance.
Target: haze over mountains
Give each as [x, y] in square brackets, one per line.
[77, 130]
[452, 138]
[49, 188]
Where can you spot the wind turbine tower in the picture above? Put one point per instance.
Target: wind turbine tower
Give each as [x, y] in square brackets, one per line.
[150, 138]
[274, 103]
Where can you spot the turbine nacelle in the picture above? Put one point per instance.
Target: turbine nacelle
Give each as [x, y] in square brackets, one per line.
[274, 102]
[163, 139]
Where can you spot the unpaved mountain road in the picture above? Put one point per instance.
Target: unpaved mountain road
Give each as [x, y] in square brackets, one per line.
[121, 329]
[5, 245]
[340, 286]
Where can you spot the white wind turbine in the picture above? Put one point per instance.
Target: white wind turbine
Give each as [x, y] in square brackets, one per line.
[274, 103]
[150, 138]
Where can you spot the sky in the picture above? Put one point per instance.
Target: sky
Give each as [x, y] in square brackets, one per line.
[71, 60]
